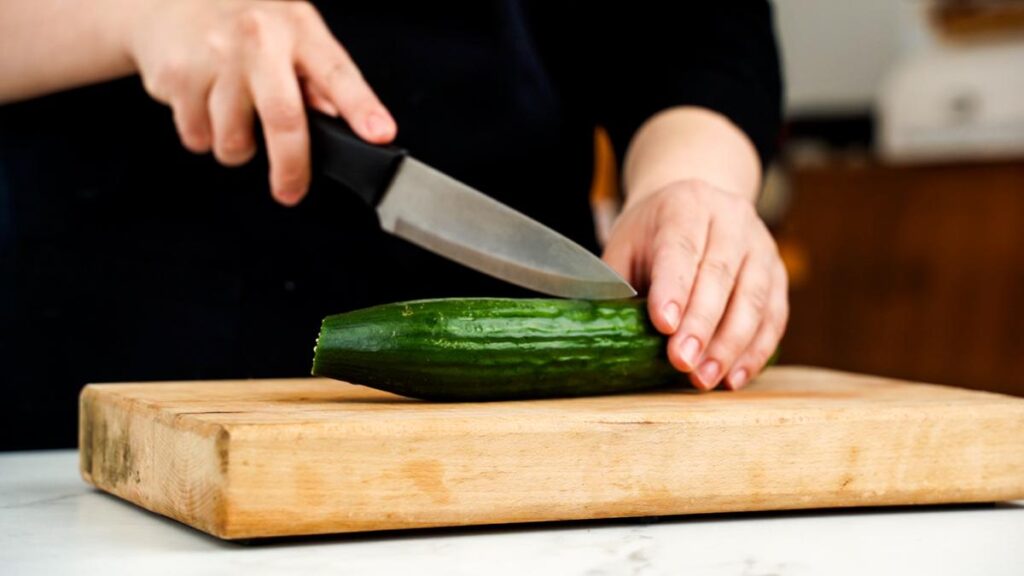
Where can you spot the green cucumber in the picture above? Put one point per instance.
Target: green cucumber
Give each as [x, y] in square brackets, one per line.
[477, 349]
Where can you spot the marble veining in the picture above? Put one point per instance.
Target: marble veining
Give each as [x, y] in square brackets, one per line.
[51, 522]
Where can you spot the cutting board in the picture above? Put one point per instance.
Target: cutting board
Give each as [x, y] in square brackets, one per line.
[255, 458]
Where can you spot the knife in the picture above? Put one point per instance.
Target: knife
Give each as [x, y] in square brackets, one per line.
[437, 212]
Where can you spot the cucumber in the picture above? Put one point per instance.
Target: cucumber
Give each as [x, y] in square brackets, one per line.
[478, 349]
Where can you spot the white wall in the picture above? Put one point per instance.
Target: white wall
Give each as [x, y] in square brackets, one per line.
[836, 53]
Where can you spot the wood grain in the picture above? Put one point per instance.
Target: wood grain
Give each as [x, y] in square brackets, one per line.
[912, 272]
[244, 459]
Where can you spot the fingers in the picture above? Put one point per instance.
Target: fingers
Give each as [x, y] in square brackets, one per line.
[742, 320]
[753, 359]
[187, 95]
[716, 278]
[318, 101]
[332, 74]
[192, 122]
[219, 67]
[279, 103]
[231, 115]
[677, 253]
[718, 286]
[183, 86]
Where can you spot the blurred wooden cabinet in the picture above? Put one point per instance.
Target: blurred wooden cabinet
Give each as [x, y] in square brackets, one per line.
[913, 272]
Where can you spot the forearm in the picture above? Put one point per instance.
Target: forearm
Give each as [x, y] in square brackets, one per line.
[690, 143]
[51, 45]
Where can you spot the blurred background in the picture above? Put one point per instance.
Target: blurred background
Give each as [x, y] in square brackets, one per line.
[898, 195]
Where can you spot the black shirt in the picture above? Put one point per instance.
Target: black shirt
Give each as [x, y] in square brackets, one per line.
[124, 257]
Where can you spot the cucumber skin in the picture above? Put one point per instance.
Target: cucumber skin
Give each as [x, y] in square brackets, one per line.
[480, 349]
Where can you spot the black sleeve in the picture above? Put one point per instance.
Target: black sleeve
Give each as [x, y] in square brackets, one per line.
[719, 55]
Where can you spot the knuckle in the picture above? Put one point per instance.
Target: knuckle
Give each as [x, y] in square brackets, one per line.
[676, 248]
[170, 77]
[720, 270]
[338, 73]
[701, 322]
[254, 22]
[669, 283]
[218, 45]
[683, 283]
[351, 92]
[153, 88]
[686, 246]
[728, 347]
[281, 114]
[234, 147]
[302, 10]
[757, 297]
[670, 287]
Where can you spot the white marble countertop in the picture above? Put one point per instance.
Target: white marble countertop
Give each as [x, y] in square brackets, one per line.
[51, 522]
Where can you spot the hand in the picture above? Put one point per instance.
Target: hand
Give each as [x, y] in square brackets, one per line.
[217, 62]
[713, 275]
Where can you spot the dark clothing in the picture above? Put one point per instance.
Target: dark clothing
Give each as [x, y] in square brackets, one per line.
[124, 257]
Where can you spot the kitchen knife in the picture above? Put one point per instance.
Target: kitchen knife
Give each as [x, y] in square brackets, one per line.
[428, 208]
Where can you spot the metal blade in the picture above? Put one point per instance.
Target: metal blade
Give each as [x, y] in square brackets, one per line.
[439, 213]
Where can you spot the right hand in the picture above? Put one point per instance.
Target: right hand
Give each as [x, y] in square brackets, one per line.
[217, 62]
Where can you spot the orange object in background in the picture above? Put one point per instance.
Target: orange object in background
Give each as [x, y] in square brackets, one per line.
[605, 191]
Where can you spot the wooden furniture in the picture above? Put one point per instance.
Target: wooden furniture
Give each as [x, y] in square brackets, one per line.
[911, 272]
[244, 459]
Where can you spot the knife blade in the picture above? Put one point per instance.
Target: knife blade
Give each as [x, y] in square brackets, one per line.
[437, 212]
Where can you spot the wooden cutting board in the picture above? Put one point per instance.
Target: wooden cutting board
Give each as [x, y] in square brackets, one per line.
[244, 459]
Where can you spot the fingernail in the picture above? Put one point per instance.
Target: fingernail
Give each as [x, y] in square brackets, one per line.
[672, 314]
[689, 351]
[709, 372]
[738, 379]
[377, 125]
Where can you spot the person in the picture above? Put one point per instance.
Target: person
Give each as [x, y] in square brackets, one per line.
[129, 256]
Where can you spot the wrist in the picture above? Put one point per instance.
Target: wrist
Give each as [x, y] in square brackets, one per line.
[130, 21]
[636, 194]
[691, 144]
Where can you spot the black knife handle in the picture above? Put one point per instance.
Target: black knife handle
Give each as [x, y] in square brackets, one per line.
[365, 169]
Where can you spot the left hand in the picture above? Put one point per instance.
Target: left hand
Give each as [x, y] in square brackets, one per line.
[713, 276]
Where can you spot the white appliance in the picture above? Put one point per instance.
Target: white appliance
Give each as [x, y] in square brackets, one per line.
[954, 102]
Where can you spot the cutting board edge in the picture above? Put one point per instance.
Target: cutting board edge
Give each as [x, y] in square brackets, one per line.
[230, 531]
[117, 460]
